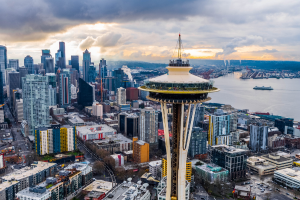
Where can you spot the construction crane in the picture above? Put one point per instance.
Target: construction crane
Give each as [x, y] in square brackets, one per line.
[100, 80]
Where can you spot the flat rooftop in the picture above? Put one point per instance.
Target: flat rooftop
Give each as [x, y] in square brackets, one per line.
[7, 184]
[94, 129]
[116, 138]
[31, 194]
[99, 186]
[228, 149]
[28, 171]
[291, 173]
[276, 158]
[155, 163]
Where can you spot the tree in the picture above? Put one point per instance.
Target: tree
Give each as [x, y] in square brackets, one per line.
[268, 195]
[102, 153]
[110, 162]
[120, 173]
[98, 168]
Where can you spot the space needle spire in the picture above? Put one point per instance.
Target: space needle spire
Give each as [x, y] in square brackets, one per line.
[178, 87]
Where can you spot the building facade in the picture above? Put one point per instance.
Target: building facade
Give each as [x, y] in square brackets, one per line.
[86, 62]
[28, 63]
[38, 95]
[148, 125]
[3, 61]
[75, 62]
[219, 128]
[86, 94]
[198, 142]
[121, 96]
[258, 138]
[14, 64]
[140, 150]
[64, 88]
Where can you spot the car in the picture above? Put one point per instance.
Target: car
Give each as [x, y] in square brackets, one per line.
[270, 189]
[287, 193]
[251, 185]
[285, 187]
[262, 190]
[277, 189]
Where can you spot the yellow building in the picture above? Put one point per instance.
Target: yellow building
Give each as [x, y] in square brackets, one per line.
[140, 150]
[188, 174]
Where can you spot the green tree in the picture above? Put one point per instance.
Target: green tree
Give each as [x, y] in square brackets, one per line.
[98, 168]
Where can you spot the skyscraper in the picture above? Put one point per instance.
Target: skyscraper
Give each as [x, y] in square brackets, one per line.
[102, 68]
[38, 95]
[86, 94]
[14, 82]
[64, 88]
[92, 73]
[14, 64]
[74, 77]
[49, 65]
[45, 54]
[3, 61]
[121, 96]
[198, 142]
[28, 63]
[23, 72]
[75, 62]
[119, 76]
[219, 128]
[86, 62]
[1, 89]
[148, 126]
[258, 137]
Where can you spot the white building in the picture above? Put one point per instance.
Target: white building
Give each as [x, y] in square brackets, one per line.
[121, 96]
[97, 110]
[161, 189]
[1, 113]
[1, 161]
[35, 193]
[85, 168]
[148, 125]
[289, 177]
[19, 109]
[73, 92]
[130, 191]
[154, 167]
[119, 159]
[95, 132]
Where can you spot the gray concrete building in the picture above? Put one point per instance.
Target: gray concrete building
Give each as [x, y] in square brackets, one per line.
[258, 138]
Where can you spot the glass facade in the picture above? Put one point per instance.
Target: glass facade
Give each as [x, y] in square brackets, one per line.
[28, 63]
[86, 94]
[3, 61]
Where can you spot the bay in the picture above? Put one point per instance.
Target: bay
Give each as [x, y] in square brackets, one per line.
[284, 100]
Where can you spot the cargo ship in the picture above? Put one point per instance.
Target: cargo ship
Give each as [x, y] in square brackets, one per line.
[263, 88]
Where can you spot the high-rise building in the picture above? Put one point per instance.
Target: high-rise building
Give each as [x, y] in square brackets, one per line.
[14, 82]
[74, 77]
[1, 89]
[3, 61]
[73, 92]
[121, 96]
[198, 142]
[49, 65]
[132, 94]
[64, 88]
[23, 72]
[121, 120]
[109, 83]
[75, 62]
[148, 126]
[131, 125]
[219, 128]
[39, 68]
[233, 122]
[86, 94]
[86, 62]
[102, 68]
[97, 110]
[282, 123]
[62, 49]
[119, 76]
[28, 63]
[258, 137]
[13, 63]
[45, 54]
[92, 74]
[38, 95]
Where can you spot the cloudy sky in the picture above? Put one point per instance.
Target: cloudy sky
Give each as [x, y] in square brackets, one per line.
[148, 30]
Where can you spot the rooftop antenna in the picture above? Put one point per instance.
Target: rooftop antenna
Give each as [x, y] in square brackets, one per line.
[179, 47]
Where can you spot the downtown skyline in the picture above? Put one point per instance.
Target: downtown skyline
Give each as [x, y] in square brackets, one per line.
[240, 30]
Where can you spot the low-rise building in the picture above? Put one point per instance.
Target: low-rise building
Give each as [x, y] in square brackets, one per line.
[86, 171]
[33, 175]
[34, 193]
[114, 143]
[74, 119]
[95, 132]
[242, 192]
[260, 166]
[129, 190]
[119, 159]
[97, 190]
[279, 161]
[276, 142]
[212, 172]
[8, 189]
[288, 177]
[154, 167]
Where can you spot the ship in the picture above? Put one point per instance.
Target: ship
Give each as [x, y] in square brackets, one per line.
[263, 88]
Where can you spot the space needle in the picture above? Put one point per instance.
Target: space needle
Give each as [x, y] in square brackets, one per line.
[178, 87]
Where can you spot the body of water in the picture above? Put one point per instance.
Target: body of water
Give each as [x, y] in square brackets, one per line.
[284, 100]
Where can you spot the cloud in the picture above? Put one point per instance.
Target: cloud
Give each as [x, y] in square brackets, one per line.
[87, 43]
[240, 42]
[267, 51]
[108, 40]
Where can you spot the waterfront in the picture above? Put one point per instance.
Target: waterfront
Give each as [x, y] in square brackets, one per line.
[283, 100]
